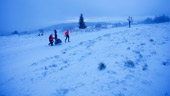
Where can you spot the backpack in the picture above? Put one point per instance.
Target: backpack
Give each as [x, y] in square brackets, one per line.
[58, 41]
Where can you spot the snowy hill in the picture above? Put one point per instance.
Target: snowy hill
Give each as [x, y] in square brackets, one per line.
[137, 63]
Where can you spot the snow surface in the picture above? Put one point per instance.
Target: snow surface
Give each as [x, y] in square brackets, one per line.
[137, 63]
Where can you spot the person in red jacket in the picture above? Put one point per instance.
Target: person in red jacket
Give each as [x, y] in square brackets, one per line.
[51, 39]
[67, 35]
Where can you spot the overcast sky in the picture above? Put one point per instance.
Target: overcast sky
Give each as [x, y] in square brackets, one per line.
[24, 15]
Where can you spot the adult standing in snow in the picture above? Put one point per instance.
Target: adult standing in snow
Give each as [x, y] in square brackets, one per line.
[51, 39]
[55, 33]
[67, 35]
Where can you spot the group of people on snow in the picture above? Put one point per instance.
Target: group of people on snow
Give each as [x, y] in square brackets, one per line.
[57, 41]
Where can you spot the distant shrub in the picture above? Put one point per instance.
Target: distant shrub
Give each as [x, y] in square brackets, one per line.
[53, 65]
[102, 66]
[167, 62]
[46, 68]
[145, 67]
[15, 32]
[129, 64]
[98, 25]
[148, 21]
[128, 48]
[161, 19]
[151, 40]
[157, 19]
[61, 92]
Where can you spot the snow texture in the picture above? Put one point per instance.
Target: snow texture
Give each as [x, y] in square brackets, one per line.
[136, 63]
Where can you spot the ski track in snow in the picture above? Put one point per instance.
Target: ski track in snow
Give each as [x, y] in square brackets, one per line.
[137, 64]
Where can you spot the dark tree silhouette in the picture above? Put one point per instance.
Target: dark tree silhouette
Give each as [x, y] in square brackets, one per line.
[129, 21]
[81, 22]
[15, 32]
[157, 19]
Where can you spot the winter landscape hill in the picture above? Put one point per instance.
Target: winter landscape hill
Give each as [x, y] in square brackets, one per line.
[110, 62]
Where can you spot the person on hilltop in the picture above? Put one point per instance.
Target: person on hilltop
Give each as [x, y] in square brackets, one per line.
[51, 39]
[55, 36]
[67, 36]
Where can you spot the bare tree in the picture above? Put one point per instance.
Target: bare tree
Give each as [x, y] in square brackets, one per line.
[130, 20]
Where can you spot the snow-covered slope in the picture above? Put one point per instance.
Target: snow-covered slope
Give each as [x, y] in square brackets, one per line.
[137, 63]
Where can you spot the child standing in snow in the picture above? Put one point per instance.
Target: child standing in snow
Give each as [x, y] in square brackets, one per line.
[51, 39]
[67, 35]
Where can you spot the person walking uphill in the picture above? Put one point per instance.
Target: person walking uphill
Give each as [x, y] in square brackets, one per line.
[51, 39]
[67, 36]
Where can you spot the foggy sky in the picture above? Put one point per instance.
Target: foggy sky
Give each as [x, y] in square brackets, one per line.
[24, 15]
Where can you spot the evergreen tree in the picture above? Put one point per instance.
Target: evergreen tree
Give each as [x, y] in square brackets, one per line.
[81, 22]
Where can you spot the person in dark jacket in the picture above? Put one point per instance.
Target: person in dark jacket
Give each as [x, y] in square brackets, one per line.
[55, 34]
[51, 39]
[67, 35]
